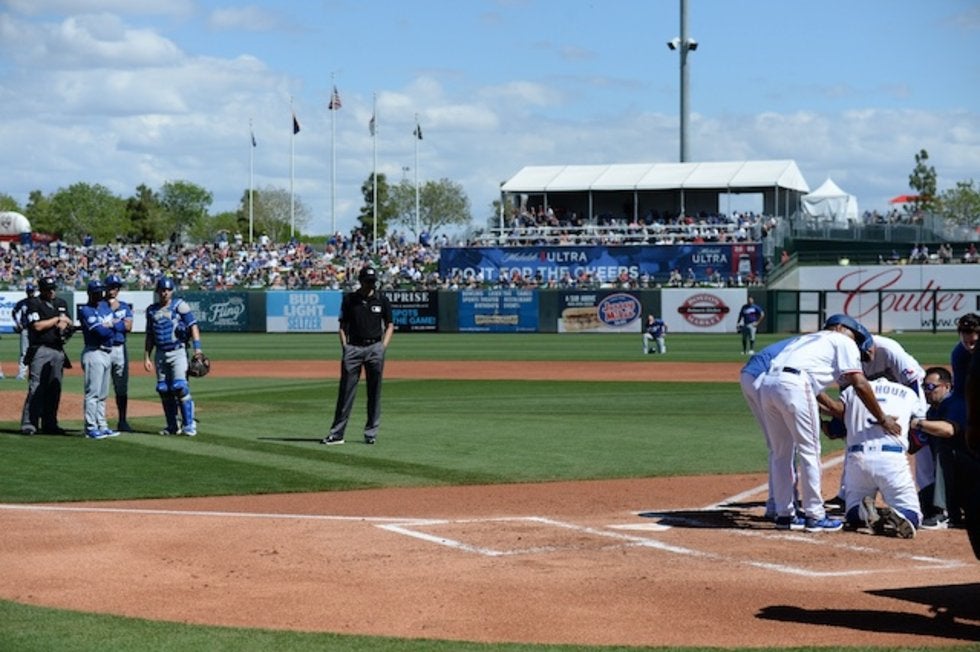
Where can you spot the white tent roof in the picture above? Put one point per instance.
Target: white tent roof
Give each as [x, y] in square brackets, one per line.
[12, 223]
[830, 203]
[732, 175]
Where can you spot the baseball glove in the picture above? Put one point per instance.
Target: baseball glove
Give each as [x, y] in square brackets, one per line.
[199, 366]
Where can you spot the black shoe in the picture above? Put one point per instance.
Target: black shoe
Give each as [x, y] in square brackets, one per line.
[54, 431]
[837, 502]
[369, 441]
[332, 440]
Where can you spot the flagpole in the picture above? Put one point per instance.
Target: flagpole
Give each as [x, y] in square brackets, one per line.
[417, 134]
[374, 175]
[333, 157]
[251, 182]
[292, 153]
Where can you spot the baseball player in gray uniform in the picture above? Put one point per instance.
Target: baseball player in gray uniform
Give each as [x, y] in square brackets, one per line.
[170, 325]
[19, 315]
[96, 320]
[122, 324]
[876, 459]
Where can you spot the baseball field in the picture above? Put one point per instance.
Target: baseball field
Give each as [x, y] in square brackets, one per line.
[527, 492]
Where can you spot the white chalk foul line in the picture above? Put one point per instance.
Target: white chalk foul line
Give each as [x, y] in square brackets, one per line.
[180, 512]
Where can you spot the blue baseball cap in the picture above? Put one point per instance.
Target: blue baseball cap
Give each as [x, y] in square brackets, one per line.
[30, 288]
[165, 283]
[113, 281]
[95, 286]
[862, 335]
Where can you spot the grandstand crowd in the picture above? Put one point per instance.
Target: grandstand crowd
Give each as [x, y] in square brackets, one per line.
[404, 262]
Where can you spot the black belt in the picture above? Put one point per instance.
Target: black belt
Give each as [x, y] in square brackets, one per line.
[166, 349]
[887, 448]
[367, 342]
[791, 370]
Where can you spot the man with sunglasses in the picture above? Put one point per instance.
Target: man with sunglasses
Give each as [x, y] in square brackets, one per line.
[945, 426]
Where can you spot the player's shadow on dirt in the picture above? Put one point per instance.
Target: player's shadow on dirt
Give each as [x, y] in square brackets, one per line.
[702, 518]
[950, 605]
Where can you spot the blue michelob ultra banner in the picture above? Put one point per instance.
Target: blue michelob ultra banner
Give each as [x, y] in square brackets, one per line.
[604, 264]
[498, 311]
[302, 312]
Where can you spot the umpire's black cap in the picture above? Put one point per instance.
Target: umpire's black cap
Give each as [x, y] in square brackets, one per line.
[368, 275]
[48, 283]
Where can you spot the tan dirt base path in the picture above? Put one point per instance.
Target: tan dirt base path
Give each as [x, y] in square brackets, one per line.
[628, 562]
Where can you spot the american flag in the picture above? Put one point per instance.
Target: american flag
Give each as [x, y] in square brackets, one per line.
[371, 125]
[334, 100]
[295, 124]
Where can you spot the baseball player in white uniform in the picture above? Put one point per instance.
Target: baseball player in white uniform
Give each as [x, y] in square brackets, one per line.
[876, 460]
[788, 394]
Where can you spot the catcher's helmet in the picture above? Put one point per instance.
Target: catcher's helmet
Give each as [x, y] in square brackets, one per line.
[113, 281]
[48, 283]
[367, 275]
[95, 286]
[165, 283]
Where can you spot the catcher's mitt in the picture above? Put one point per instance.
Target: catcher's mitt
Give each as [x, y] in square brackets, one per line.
[199, 366]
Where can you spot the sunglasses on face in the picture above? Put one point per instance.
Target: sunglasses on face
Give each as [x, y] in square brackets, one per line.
[930, 386]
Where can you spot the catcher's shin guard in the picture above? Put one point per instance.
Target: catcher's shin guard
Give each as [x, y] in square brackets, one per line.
[187, 412]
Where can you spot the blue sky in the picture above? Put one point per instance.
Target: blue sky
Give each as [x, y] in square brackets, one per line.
[123, 92]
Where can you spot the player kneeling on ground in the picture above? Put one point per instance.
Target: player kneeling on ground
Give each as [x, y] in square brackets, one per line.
[876, 460]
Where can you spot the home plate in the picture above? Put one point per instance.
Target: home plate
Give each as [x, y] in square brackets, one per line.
[643, 527]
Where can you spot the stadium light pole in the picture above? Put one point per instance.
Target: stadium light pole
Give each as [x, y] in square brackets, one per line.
[683, 44]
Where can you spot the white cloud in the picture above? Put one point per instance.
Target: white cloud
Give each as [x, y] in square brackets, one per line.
[248, 18]
[129, 7]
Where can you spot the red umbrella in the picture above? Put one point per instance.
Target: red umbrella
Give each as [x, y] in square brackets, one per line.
[904, 199]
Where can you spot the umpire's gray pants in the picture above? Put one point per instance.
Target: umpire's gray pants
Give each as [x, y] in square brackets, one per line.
[372, 359]
[43, 390]
[95, 368]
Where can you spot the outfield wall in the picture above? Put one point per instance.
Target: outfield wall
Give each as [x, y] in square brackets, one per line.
[886, 298]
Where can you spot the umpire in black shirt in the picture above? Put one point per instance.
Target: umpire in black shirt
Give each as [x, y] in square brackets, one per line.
[49, 326]
[365, 331]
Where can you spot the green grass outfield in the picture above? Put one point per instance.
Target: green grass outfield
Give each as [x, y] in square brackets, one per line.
[261, 435]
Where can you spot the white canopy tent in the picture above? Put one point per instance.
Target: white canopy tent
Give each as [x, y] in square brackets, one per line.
[12, 223]
[678, 186]
[829, 203]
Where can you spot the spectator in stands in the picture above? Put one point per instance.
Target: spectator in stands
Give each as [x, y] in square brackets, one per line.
[970, 255]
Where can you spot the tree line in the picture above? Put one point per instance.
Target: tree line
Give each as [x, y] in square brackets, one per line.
[181, 210]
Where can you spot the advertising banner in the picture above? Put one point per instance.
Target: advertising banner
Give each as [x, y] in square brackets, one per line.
[7, 302]
[604, 264]
[702, 310]
[414, 311]
[600, 312]
[302, 312]
[219, 311]
[498, 311]
[903, 297]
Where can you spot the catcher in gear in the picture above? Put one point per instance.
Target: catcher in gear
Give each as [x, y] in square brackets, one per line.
[170, 326]
[199, 366]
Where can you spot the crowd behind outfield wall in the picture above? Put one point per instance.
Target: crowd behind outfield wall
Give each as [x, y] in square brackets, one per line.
[404, 261]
